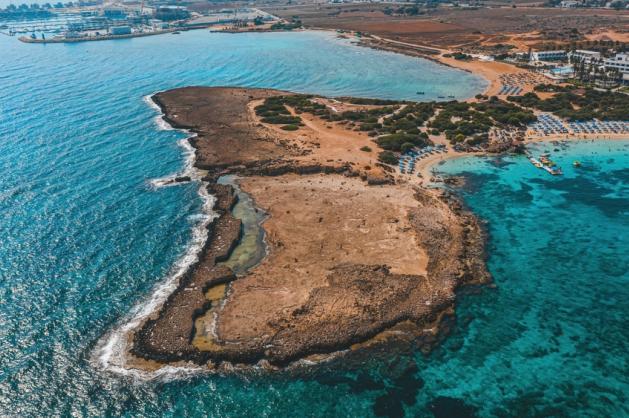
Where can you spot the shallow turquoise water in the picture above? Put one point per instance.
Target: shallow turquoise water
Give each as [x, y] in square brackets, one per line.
[85, 237]
[552, 339]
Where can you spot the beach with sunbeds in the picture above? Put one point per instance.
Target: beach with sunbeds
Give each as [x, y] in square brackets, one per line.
[549, 126]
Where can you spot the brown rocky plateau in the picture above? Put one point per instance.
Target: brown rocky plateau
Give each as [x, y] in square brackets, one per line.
[348, 258]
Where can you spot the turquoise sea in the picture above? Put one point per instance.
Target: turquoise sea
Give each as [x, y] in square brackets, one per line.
[86, 237]
[552, 339]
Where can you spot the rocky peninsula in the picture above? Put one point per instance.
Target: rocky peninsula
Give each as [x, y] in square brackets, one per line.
[354, 253]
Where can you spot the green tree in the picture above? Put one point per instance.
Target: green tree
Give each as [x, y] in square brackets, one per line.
[387, 157]
[406, 147]
[514, 121]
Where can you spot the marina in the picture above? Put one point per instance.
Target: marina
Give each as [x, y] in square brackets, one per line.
[121, 21]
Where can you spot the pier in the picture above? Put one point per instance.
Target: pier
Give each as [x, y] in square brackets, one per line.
[545, 164]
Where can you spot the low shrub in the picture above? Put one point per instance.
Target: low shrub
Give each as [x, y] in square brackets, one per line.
[282, 120]
[394, 142]
[290, 127]
[387, 157]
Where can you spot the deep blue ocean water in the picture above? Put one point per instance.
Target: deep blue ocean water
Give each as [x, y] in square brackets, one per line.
[84, 238]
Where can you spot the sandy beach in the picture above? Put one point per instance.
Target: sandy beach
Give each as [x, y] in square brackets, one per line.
[576, 137]
[489, 70]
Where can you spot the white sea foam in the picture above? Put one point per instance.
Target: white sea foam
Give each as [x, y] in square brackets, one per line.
[162, 124]
[188, 168]
[159, 119]
[111, 353]
[148, 99]
[188, 149]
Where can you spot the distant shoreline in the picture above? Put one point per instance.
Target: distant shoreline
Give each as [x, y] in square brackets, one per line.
[30, 40]
[382, 44]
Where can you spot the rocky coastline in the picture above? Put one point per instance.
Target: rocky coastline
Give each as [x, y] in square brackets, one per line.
[228, 141]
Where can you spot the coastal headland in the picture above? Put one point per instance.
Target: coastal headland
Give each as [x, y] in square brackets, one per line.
[354, 253]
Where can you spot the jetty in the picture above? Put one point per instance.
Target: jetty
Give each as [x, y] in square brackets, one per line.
[545, 163]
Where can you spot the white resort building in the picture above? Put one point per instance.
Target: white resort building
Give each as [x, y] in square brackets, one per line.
[581, 55]
[549, 55]
[621, 63]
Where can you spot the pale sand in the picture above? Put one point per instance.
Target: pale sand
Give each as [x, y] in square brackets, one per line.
[490, 70]
[425, 166]
[576, 138]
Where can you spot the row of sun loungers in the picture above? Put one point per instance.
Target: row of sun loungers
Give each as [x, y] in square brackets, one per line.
[593, 127]
[522, 78]
[514, 83]
[510, 90]
[550, 125]
[407, 161]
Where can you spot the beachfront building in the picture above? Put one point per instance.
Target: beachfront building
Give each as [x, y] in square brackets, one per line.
[120, 30]
[170, 13]
[582, 55]
[557, 55]
[621, 63]
[603, 72]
